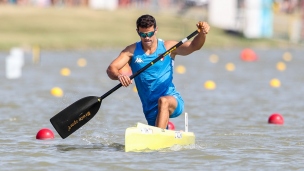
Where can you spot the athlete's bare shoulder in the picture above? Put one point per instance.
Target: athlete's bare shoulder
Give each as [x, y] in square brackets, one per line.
[129, 50]
[169, 44]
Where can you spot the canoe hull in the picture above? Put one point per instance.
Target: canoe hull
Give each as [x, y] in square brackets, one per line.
[147, 138]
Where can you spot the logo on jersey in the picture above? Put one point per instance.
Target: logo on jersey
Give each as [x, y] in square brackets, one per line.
[139, 60]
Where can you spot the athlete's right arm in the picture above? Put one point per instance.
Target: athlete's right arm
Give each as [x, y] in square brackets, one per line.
[118, 63]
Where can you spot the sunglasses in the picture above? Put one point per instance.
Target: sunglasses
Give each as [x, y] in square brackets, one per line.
[144, 35]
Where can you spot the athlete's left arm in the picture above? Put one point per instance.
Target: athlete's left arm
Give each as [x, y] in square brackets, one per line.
[191, 46]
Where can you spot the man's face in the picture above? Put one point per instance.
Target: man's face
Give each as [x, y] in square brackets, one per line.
[147, 35]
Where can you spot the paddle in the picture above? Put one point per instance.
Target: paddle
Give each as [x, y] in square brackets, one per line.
[80, 112]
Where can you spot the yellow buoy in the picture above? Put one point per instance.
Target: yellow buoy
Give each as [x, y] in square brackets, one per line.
[82, 62]
[135, 89]
[180, 69]
[275, 83]
[65, 72]
[210, 85]
[230, 66]
[57, 92]
[287, 56]
[213, 58]
[281, 66]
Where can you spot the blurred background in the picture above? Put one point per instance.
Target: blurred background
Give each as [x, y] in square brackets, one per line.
[59, 23]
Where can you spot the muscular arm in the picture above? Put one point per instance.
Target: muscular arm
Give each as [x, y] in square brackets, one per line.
[120, 62]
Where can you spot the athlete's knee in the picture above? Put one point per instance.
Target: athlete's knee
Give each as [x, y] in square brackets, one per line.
[163, 101]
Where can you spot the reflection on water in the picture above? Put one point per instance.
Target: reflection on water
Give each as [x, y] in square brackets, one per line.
[118, 147]
[92, 147]
[230, 122]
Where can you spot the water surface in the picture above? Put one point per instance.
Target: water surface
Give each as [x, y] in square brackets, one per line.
[230, 122]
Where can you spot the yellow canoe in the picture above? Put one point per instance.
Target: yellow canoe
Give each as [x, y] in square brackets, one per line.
[146, 138]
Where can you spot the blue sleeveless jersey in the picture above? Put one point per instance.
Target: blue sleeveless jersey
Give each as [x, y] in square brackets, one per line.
[155, 81]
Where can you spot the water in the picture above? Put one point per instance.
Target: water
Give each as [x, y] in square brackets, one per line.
[230, 122]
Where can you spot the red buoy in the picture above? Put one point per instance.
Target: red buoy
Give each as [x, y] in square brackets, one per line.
[171, 126]
[44, 134]
[276, 119]
[248, 55]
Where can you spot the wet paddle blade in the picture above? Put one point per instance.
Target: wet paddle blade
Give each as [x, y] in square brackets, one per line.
[76, 115]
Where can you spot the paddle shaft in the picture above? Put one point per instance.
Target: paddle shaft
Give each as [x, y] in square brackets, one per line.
[151, 63]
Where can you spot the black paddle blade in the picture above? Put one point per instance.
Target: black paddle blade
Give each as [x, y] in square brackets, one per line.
[76, 115]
